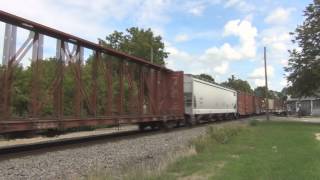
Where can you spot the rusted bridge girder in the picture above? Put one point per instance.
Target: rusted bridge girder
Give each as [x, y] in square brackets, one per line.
[143, 91]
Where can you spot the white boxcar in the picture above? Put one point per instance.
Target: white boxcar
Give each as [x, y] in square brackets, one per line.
[271, 104]
[204, 98]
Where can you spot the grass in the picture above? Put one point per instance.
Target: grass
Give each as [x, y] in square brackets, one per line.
[263, 150]
[258, 150]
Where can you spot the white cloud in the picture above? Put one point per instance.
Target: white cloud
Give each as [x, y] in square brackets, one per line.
[197, 10]
[279, 15]
[284, 82]
[257, 78]
[71, 20]
[259, 82]
[225, 52]
[221, 69]
[249, 17]
[258, 73]
[276, 84]
[216, 59]
[191, 34]
[246, 33]
[278, 42]
[219, 57]
[198, 7]
[284, 62]
[181, 38]
[241, 5]
[177, 57]
[90, 20]
[150, 13]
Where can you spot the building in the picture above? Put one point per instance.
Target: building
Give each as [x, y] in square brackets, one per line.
[310, 106]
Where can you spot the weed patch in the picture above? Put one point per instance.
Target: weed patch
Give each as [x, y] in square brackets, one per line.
[223, 135]
[253, 122]
[144, 170]
[216, 135]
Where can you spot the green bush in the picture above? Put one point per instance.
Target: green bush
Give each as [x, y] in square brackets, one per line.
[253, 122]
[220, 135]
[201, 143]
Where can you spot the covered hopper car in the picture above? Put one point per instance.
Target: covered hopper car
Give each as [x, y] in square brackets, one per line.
[205, 100]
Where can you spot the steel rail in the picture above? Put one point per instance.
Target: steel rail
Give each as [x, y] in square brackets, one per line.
[45, 30]
[50, 144]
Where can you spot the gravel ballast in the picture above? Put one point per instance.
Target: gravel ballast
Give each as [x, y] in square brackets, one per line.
[80, 161]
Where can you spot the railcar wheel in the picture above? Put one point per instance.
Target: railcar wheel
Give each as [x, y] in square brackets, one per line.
[142, 126]
[190, 121]
[197, 120]
[178, 124]
[154, 125]
[165, 126]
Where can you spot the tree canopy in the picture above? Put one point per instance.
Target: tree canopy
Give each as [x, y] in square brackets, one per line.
[237, 84]
[261, 91]
[138, 42]
[206, 77]
[304, 62]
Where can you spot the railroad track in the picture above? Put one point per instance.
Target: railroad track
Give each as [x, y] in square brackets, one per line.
[54, 145]
[74, 142]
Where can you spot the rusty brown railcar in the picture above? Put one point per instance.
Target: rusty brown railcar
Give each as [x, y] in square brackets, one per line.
[132, 90]
[246, 104]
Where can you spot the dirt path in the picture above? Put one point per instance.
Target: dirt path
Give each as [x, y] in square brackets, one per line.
[317, 136]
[292, 118]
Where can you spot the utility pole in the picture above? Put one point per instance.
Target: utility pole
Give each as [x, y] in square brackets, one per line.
[266, 82]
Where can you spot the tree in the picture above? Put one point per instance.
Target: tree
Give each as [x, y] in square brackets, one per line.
[206, 77]
[22, 87]
[261, 91]
[304, 64]
[284, 93]
[237, 84]
[138, 42]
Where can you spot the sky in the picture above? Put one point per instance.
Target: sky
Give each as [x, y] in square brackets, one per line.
[217, 37]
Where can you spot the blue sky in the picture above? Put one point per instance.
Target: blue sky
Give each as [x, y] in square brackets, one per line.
[218, 37]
